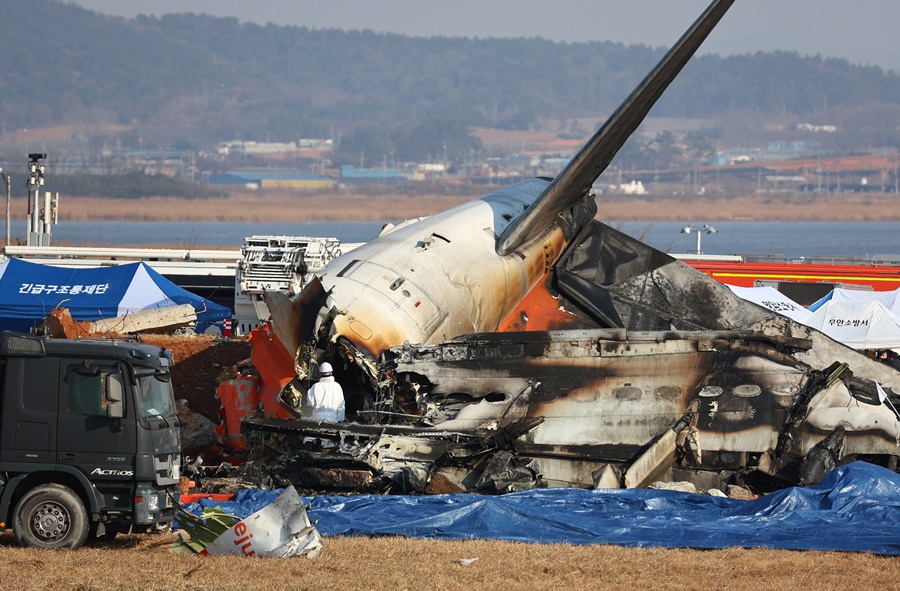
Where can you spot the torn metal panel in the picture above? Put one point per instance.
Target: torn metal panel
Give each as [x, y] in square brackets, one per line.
[870, 427]
[596, 390]
[603, 395]
[653, 463]
[822, 458]
[650, 290]
[280, 529]
[507, 473]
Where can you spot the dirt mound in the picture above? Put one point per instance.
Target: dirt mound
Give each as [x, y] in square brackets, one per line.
[60, 325]
[200, 361]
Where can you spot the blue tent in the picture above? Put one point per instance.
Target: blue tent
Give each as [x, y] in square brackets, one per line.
[890, 299]
[30, 291]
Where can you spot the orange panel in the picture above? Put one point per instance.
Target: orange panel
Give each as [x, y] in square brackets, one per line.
[540, 310]
[274, 364]
[238, 397]
[276, 369]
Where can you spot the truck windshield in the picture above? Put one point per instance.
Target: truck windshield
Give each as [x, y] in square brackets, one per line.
[155, 394]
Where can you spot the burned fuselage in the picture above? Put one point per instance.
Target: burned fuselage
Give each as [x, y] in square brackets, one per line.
[729, 390]
[591, 398]
[624, 366]
[567, 404]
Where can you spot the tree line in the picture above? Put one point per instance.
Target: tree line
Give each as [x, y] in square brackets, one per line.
[210, 78]
[130, 185]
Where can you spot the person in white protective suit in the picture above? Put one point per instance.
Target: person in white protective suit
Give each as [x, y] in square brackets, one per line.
[325, 400]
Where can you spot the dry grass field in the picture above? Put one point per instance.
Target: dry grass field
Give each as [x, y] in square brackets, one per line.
[285, 206]
[394, 564]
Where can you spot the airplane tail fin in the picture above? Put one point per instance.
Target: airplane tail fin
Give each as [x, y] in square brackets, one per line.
[575, 180]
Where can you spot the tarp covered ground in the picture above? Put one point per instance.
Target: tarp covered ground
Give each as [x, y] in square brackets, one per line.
[855, 508]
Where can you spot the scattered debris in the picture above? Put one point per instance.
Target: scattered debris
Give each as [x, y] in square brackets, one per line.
[201, 531]
[280, 529]
[681, 486]
[166, 319]
[822, 458]
[734, 491]
[197, 431]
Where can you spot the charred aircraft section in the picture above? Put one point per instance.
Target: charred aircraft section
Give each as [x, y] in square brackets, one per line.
[515, 342]
[499, 412]
[721, 395]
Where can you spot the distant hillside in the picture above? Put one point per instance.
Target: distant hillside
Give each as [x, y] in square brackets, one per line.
[213, 77]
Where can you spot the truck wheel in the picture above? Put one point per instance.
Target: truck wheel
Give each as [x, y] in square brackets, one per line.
[50, 516]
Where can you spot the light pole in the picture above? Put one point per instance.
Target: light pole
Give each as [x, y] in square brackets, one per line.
[35, 182]
[6, 180]
[706, 228]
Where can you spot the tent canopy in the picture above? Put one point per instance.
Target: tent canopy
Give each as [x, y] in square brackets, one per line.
[890, 299]
[857, 323]
[30, 291]
[771, 298]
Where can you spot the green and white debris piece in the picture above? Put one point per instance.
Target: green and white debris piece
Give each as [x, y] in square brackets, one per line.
[281, 528]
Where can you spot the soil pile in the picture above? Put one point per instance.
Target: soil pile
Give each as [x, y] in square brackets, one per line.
[201, 362]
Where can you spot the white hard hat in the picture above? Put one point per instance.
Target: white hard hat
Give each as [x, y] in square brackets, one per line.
[325, 368]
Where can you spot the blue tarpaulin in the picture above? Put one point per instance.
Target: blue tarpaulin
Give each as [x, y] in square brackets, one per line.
[30, 291]
[854, 508]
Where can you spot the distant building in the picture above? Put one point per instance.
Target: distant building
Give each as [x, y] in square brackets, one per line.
[264, 148]
[633, 188]
[272, 180]
[351, 174]
[817, 128]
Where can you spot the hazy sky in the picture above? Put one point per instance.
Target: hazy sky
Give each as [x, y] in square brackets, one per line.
[862, 31]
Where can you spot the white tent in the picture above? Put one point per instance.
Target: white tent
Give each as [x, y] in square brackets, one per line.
[858, 324]
[771, 298]
[890, 299]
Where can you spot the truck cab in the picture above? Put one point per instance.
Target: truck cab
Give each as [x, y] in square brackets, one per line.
[89, 439]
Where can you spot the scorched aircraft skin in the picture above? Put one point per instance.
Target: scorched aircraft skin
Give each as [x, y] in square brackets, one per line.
[623, 365]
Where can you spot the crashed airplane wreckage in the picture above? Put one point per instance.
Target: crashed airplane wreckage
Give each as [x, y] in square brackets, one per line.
[515, 342]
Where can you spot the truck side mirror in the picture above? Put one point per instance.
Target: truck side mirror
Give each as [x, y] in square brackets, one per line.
[115, 394]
